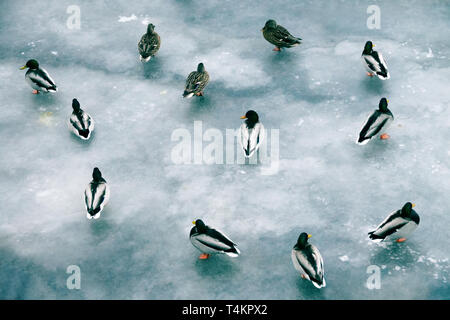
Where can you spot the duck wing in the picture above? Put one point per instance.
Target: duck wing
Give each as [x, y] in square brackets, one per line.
[373, 125]
[149, 45]
[389, 226]
[41, 78]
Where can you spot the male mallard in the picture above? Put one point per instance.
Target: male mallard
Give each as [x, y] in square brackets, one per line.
[397, 225]
[307, 260]
[374, 62]
[96, 195]
[38, 78]
[196, 82]
[80, 123]
[279, 36]
[211, 241]
[251, 133]
[149, 44]
[379, 120]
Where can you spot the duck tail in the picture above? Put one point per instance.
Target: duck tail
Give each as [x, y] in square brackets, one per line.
[53, 89]
[84, 133]
[375, 237]
[233, 252]
[187, 94]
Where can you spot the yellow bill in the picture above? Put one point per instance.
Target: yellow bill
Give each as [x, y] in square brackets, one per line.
[243, 117]
[24, 67]
[309, 236]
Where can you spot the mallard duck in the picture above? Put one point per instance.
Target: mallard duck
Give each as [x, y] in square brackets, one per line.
[96, 195]
[211, 241]
[308, 261]
[196, 82]
[80, 123]
[379, 120]
[38, 78]
[374, 62]
[279, 36]
[149, 44]
[251, 133]
[398, 225]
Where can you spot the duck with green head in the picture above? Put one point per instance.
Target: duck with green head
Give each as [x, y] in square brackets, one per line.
[279, 36]
[379, 120]
[80, 122]
[251, 133]
[398, 225]
[211, 241]
[307, 260]
[196, 82]
[149, 44]
[374, 62]
[96, 195]
[38, 78]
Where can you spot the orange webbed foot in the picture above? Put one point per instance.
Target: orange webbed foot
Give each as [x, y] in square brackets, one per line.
[401, 240]
[384, 136]
[369, 74]
[203, 256]
[35, 92]
[276, 49]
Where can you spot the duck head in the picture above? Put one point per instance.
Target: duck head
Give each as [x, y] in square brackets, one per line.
[96, 174]
[31, 64]
[407, 209]
[383, 105]
[302, 241]
[270, 24]
[251, 117]
[200, 67]
[76, 105]
[201, 227]
[368, 47]
[150, 28]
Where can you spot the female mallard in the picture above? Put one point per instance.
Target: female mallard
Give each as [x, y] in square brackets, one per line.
[80, 122]
[38, 78]
[374, 62]
[251, 133]
[196, 82]
[149, 44]
[379, 120]
[308, 261]
[279, 36]
[96, 195]
[211, 241]
[397, 225]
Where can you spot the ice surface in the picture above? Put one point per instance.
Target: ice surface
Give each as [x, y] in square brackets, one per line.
[316, 94]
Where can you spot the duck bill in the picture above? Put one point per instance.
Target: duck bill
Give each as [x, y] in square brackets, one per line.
[24, 67]
[413, 205]
[309, 236]
[193, 222]
[243, 117]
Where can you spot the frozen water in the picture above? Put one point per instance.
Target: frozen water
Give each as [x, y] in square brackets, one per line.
[316, 94]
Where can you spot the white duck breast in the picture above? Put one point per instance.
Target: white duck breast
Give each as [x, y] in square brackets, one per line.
[251, 139]
[394, 226]
[40, 80]
[376, 122]
[96, 196]
[375, 64]
[309, 263]
[81, 124]
[214, 242]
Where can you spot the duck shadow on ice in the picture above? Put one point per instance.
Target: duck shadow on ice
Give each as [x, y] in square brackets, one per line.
[216, 266]
[396, 254]
[152, 69]
[375, 86]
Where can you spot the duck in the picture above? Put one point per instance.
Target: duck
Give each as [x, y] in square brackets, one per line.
[379, 120]
[80, 123]
[374, 62]
[149, 44]
[96, 195]
[38, 78]
[307, 260]
[210, 241]
[196, 82]
[251, 133]
[398, 225]
[279, 36]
